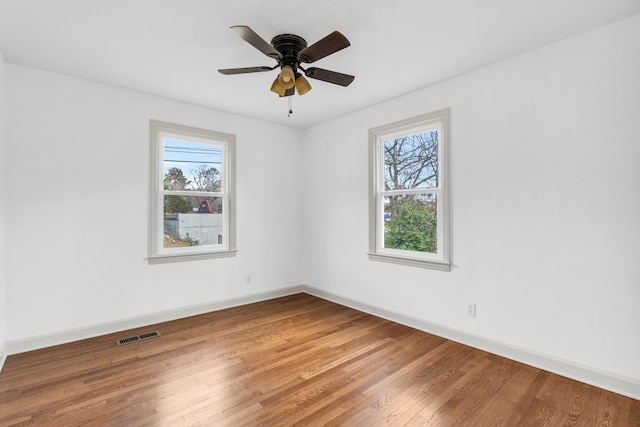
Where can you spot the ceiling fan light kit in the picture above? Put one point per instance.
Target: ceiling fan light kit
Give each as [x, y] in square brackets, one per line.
[286, 77]
[302, 85]
[276, 87]
[290, 51]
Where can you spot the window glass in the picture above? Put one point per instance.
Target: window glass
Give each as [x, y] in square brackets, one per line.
[191, 166]
[411, 161]
[192, 221]
[411, 223]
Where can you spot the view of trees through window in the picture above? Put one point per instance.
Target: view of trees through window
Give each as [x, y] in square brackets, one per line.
[410, 207]
[192, 177]
[204, 179]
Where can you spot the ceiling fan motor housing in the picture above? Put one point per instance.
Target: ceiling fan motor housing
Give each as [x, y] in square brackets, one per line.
[289, 45]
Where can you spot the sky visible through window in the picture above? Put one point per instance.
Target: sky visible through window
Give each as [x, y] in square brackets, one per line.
[188, 156]
[411, 161]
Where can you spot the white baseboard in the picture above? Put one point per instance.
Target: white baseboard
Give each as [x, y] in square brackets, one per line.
[625, 386]
[3, 355]
[605, 380]
[63, 337]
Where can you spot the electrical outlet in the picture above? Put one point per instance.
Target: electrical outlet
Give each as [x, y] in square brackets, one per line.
[471, 309]
[247, 279]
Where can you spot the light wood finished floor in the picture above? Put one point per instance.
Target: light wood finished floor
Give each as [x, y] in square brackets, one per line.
[297, 360]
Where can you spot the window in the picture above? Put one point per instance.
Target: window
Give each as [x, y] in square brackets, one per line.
[192, 194]
[409, 199]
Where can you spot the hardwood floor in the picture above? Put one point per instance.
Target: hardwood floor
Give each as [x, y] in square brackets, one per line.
[297, 360]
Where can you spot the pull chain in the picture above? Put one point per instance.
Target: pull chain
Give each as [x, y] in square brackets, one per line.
[290, 106]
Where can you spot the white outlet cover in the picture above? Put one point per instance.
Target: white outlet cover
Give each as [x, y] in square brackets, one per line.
[471, 310]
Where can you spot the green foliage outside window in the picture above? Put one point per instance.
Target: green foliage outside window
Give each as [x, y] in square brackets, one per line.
[177, 204]
[412, 226]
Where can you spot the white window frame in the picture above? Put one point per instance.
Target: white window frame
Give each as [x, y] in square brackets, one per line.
[377, 252]
[158, 254]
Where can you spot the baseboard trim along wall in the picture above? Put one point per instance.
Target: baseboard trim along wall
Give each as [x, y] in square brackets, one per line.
[605, 380]
[64, 337]
[3, 355]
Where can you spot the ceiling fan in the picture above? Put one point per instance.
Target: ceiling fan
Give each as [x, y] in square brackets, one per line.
[290, 51]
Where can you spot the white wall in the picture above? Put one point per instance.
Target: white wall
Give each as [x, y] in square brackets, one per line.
[545, 186]
[2, 204]
[79, 161]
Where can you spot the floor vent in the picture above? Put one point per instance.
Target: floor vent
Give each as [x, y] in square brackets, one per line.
[136, 338]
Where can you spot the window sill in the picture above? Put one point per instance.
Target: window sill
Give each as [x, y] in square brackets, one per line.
[412, 262]
[164, 259]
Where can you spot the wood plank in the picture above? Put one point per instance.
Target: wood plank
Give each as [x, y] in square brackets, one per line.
[294, 360]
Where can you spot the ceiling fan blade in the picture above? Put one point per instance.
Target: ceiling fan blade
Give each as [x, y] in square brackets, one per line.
[245, 70]
[329, 76]
[324, 47]
[250, 36]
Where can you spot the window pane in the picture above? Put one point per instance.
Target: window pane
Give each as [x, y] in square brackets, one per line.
[410, 222]
[191, 166]
[192, 221]
[411, 161]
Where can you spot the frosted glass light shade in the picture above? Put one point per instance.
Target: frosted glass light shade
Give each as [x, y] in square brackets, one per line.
[287, 77]
[277, 87]
[302, 85]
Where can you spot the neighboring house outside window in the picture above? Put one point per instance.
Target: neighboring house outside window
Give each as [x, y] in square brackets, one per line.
[192, 203]
[409, 196]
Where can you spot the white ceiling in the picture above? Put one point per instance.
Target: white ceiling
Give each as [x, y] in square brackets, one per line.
[173, 48]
